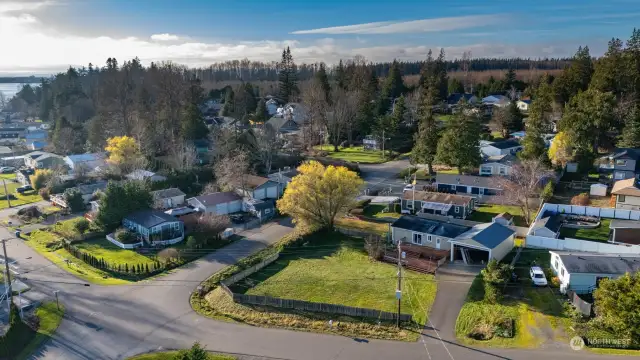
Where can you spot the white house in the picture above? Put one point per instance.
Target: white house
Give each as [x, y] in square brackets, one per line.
[220, 203]
[168, 198]
[89, 162]
[627, 194]
[523, 105]
[145, 175]
[498, 165]
[258, 187]
[581, 272]
[504, 147]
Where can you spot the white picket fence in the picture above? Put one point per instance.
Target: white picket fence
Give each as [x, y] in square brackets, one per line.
[608, 213]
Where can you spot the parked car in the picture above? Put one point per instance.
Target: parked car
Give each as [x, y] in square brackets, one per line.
[237, 218]
[537, 276]
[7, 169]
[408, 187]
[23, 189]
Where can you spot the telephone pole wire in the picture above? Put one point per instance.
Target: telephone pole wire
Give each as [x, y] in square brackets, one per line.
[6, 266]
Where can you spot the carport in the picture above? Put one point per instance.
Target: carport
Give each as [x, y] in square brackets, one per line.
[483, 243]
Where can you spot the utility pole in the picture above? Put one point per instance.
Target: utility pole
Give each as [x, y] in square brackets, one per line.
[383, 155]
[4, 182]
[399, 289]
[6, 266]
[57, 302]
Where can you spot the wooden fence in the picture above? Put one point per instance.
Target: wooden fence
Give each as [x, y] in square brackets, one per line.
[358, 233]
[315, 307]
[299, 304]
[583, 306]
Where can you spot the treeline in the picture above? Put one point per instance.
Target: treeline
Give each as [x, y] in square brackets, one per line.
[20, 79]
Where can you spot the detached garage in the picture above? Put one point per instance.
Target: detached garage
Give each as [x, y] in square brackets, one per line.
[220, 203]
[482, 243]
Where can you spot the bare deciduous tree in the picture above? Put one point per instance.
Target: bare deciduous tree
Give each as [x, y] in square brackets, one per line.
[523, 185]
[183, 157]
[341, 115]
[224, 142]
[268, 146]
[314, 99]
[232, 170]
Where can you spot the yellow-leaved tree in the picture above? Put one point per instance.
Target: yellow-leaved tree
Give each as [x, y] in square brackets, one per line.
[319, 194]
[124, 153]
[560, 152]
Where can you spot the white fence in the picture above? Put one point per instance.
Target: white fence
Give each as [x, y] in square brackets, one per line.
[124, 246]
[609, 213]
[579, 245]
[168, 242]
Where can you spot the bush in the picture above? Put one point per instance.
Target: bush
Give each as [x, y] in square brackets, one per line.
[581, 199]
[362, 204]
[125, 236]
[82, 225]
[492, 294]
[555, 282]
[356, 212]
[547, 191]
[74, 200]
[406, 172]
[28, 213]
[44, 193]
[40, 178]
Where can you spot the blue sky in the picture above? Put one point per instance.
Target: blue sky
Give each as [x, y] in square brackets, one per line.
[199, 32]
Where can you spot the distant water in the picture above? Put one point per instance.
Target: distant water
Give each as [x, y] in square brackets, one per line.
[9, 90]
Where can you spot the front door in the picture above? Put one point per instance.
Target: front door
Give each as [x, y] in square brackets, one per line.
[437, 243]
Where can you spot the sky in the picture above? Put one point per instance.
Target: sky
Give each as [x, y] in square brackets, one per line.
[46, 36]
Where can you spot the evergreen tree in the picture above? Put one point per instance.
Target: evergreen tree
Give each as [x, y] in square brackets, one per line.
[460, 143]
[287, 76]
[341, 76]
[631, 134]
[393, 85]
[323, 80]
[146, 268]
[509, 79]
[426, 139]
[229, 103]
[576, 77]
[193, 126]
[262, 114]
[196, 352]
[455, 86]
[126, 268]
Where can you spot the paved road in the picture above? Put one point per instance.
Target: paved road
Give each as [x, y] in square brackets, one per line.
[119, 321]
[384, 176]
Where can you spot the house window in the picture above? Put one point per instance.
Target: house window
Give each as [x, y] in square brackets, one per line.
[562, 272]
[267, 211]
[457, 209]
[417, 239]
[621, 162]
[621, 198]
[555, 264]
[503, 171]
[409, 205]
[485, 170]
[619, 175]
[429, 238]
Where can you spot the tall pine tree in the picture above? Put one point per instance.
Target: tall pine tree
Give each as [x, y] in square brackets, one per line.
[287, 76]
[323, 80]
[459, 146]
[426, 139]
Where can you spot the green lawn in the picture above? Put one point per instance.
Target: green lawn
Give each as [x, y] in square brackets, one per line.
[354, 154]
[50, 317]
[341, 273]
[601, 233]
[444, 118]
[16, 199]
[171, 355]
[369, 226]
[49, 245]
[101, 248]
[378, 211]
[8, 177]
[485, 212]
[538, 317]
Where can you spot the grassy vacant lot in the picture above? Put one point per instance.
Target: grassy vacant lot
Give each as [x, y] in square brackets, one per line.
[382, 211]
[49, 245]
[485, 212]
[50, 318]
[354, 154]
[335, 269]
[171, 355]
[601, 233]
[368, 226]
[102, 248]
[537, 313]
[16, 199]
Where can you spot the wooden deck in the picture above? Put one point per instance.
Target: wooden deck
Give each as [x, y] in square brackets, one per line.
[418, 258]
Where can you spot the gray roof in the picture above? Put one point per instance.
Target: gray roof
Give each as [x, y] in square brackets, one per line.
[550, 221]
[506, 144]
[262, 204]
[218, 198]
[590, 263]
[506, 159]
[150, 218]
[91, 188]
[488, 235]
[167, 193]
[427, 226]
[467, 180]
[624, 224]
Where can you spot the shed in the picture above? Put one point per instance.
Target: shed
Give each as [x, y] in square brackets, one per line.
[598, 190]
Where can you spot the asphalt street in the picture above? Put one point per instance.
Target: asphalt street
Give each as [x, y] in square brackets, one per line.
[114, 322]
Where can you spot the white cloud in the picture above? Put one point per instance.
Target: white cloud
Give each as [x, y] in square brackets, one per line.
[41, 50]
[415, 26]
[164, 37]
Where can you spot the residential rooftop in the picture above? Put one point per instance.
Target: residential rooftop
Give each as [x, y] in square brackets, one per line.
[592, 263]
[467, 180]
[436, 197]
[150, 218]
[489, 235]
[428, 226]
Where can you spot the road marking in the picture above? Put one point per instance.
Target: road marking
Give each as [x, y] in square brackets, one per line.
[441, 341]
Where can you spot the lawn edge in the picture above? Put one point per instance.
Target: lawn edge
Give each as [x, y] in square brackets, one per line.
[40, 338]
